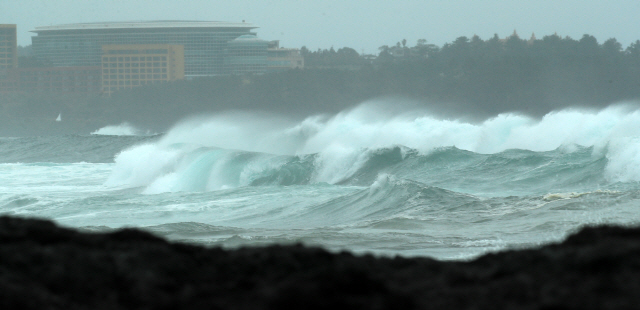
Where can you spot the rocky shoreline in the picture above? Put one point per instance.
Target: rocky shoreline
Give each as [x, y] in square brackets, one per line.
[43, 266]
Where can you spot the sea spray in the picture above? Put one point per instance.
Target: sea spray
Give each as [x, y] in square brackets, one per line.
[124, 129]
[369, 179]
[144, 164]
[342, 144]
[623, 154]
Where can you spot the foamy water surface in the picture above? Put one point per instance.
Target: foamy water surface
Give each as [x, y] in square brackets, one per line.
[370, 179]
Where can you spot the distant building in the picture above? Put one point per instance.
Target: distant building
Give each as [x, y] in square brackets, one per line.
[129, 66]
[8, 57]
[369, 58]
[282, 59]
[246, 54]
[204, 42]
[8, 47]
[107, 57]
[63, 79]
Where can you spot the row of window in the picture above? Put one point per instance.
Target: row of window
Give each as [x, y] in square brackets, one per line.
[105, 78]
[73, 60]
[158, 35]
[57, 73]
[282, 63]
[154, 70]
[141, 58]
[151, 51]
[85, 48]
[46, 78]
[134, 65]
[144, 38]
[40, 84]
[65, 89]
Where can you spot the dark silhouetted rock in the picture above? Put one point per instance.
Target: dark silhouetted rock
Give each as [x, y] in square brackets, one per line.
[43, 266]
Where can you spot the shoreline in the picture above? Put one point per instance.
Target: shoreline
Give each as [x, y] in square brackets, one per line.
[43, 265]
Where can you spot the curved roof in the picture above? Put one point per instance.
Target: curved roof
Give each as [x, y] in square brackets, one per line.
[248, 37]
[145, 25]
[248, 40]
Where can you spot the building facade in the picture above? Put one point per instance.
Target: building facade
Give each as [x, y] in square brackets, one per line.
[129, 66]
[282, 59]
[8, 57]
[8, 46]
[246, 54]
[56, 80]
[81, 44]
[107, 57]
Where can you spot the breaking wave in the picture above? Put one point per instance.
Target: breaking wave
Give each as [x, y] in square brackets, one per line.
[124, 129]
[564, 148]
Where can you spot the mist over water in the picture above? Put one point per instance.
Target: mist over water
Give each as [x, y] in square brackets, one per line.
[124, 129]
[372, 126]
[336, 147]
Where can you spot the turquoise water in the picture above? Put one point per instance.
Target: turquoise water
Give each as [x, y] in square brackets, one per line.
[365, 180]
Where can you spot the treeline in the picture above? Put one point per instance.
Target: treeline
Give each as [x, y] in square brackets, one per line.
[496, 75]
[469, 76]
[330, 58]
[533, 75]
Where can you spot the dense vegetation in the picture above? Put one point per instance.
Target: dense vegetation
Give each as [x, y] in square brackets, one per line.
[470, 76]
[497, 75]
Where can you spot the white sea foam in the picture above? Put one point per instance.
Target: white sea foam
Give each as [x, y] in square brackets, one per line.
[342, 141]
[124, 129]
[572, 195]
[142, 165]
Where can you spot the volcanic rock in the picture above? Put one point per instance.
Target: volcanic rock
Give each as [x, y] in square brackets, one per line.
[44, 266]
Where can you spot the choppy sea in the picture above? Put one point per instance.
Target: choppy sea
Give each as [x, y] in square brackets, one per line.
[372, 179]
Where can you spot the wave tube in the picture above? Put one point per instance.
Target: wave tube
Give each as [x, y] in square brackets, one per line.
[340, 145]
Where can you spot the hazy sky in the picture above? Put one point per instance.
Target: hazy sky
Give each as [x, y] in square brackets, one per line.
[363, 25]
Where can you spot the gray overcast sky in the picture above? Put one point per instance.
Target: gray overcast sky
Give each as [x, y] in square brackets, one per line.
[360, 24]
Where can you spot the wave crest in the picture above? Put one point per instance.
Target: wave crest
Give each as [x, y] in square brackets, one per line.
[124, 129]
[249, 148]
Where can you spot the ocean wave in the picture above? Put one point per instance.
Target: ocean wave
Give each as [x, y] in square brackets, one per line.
[67, 148]
[194, 168]
[123, 129]
[15, 202]
[353, 147]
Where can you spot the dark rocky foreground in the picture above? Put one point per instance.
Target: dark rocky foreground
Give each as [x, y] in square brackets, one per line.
[43, 266]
